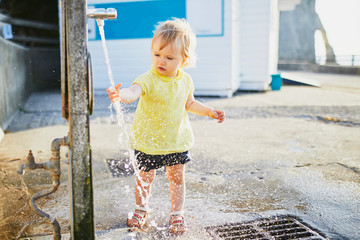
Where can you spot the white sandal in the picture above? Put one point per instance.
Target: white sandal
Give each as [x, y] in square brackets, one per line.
[141, 219]
[177, 223]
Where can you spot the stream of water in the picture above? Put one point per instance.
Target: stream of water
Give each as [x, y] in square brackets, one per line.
[124, 134]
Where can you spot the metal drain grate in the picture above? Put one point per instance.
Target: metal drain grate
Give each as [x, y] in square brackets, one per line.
[119, 168]
[279, 228]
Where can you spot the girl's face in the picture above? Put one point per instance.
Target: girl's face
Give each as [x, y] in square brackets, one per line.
[168, 60]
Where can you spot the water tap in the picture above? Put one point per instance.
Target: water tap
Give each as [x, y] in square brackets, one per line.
[31, 164]
[102, 13]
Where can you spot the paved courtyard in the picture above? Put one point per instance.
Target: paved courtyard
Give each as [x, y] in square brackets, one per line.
[290, 152]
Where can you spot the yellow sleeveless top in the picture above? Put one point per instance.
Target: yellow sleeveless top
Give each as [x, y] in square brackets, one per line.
[161, 124]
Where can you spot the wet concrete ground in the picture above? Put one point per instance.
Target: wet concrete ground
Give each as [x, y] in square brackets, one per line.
[294, 151]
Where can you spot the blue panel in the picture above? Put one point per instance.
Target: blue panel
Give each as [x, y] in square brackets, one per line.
[138, 19]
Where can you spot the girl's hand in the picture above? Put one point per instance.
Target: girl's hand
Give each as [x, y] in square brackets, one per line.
[217, 114]
[114, 93]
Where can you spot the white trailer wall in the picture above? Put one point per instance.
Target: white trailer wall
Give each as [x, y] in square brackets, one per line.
[258, 51]
[236, 46]
[212, 75]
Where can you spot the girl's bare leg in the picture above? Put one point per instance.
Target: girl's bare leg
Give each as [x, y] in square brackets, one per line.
[142, 192]
[143, 187]
[176, 178]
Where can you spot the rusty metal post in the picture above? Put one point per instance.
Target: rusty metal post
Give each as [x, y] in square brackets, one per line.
[82, 209]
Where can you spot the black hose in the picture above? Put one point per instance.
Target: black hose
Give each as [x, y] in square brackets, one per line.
[44, 193]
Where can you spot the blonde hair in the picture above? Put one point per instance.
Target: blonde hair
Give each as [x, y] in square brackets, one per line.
[178, 31]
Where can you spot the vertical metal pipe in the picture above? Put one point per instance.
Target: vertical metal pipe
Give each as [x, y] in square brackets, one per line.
[81, 192]
[63, 56]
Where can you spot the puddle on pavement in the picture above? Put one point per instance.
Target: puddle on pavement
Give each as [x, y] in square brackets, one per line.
[330, 201]
[244, 193]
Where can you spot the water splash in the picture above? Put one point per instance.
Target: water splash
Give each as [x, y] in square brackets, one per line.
[124, 134]
[117, 106]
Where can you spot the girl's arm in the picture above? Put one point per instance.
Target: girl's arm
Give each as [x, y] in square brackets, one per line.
[124, 95]
[198, 108]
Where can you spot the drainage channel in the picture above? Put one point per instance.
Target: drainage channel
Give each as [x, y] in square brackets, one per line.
[279, 228]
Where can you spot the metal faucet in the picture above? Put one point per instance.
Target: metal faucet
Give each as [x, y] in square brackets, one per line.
[31, 164]
[100, 14]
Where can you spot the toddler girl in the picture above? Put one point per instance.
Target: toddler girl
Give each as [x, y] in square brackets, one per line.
[161, 133]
